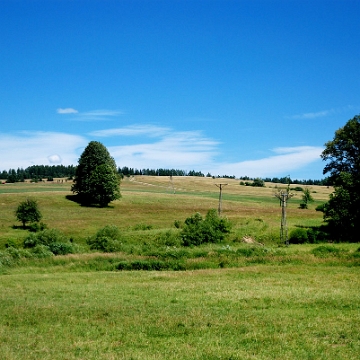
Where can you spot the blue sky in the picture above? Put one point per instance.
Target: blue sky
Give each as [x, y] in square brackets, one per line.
[252, 87]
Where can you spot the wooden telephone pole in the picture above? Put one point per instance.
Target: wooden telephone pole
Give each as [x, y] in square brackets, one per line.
[220, 186]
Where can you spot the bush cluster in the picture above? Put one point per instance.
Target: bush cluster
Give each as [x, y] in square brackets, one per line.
[257, 182]
[106, 239]
[307, 235]
[212, 229]
[49, 240]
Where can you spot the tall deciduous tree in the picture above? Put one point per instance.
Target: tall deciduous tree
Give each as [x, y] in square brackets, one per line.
[342, 211]
[96, 180]
[28, 212]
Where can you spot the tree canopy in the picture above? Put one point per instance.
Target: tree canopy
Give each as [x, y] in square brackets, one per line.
[342, 211]
[28, 212]
[96, 180]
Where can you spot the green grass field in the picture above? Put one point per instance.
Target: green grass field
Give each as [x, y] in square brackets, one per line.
[234, 301]
[257, 312]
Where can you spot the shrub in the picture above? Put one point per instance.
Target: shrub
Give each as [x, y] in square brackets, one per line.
[106, 239]
[58, 248]
[52, 239]
[298, 236]
[212, 229]
[177, 224]
[45, 237]
[320, 207]
[30, 241]
[258, 182]
[35, 227]
[11, 243]
[169, 238]
[41, 251]
[297, 188]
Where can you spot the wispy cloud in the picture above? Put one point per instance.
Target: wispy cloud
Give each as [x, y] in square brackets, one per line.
[313, 115]
[93, 115]
[170, 149]
[40, 148]
[323, 113]
[66, 111]
[134, 130]
[284, 160]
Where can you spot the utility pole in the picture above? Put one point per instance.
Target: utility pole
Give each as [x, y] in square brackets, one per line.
[220, 186]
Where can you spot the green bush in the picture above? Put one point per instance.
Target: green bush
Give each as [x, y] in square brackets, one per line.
[35, 227]
[258, 182]
[177, 224]
[41, 251]
[297, 188]
[320, 207]
[212, 229]
[52, 239]
[106, 239]
[11, 244]
[6, 259]
[58, 248]
[298, 236]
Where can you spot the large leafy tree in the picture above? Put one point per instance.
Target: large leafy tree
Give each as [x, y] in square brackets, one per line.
[342, 211]
[96, 180]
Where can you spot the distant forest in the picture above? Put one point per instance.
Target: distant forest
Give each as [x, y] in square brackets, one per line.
[46, 172]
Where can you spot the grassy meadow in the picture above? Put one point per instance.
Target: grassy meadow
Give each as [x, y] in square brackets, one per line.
[148, 200]
[225, 301]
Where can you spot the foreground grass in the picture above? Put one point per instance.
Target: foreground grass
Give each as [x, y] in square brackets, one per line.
[257, 312]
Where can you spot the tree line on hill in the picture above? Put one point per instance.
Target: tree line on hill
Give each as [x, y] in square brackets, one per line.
[38, 172]
[287, 180]
[49, 172]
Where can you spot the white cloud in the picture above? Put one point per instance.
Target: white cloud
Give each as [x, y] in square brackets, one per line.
[93, 115]
[287, 159]
[134, 130]
[55, 159]
[313, 115]
[184, 150]
[323, 113]
[102, 113]
[97, 115]
[66, 111]
[38, 148]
